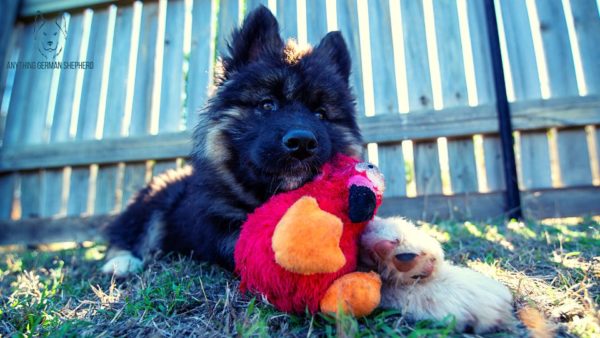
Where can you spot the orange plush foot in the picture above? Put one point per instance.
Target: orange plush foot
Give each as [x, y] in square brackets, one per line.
[357, 293]
[307, 239]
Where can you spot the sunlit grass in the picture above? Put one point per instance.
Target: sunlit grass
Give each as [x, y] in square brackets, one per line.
[552, 266]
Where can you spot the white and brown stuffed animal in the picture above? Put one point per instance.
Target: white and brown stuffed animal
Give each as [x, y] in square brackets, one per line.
[417, 280]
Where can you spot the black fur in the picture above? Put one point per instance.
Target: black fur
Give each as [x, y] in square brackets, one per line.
[265, 89]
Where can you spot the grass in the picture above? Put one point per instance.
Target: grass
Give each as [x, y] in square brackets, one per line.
[553, 266]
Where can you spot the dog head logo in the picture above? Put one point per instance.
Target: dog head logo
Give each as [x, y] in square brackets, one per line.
[50, 36]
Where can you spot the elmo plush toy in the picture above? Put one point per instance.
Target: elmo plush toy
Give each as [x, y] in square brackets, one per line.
[300, 248]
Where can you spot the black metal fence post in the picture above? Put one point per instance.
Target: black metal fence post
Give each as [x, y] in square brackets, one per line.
[512, 196]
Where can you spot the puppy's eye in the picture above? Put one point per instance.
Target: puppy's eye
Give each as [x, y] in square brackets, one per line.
[268, 105]
[321, 113]
[405, 257]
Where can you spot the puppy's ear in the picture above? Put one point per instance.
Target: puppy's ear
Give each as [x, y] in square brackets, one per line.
[257, 37]
[333, 47]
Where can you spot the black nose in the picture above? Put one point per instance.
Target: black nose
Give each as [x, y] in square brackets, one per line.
[300, 143]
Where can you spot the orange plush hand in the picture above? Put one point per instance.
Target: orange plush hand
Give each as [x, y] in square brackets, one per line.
[307, 239]
[357, 293]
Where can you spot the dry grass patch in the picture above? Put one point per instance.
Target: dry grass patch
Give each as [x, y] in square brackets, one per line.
[551, 266]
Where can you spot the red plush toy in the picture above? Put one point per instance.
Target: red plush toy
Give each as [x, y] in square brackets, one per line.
[300, 248]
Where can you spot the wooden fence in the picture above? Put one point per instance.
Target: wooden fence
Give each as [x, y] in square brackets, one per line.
[80, 143]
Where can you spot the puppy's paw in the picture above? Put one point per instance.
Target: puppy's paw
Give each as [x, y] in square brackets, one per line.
[122, 264]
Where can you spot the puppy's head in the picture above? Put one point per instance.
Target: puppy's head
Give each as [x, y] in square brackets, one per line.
[401, 252]
[279, 111]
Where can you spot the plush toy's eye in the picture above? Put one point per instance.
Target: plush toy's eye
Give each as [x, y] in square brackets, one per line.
[361, 167]
[268, 105]
[321, 113]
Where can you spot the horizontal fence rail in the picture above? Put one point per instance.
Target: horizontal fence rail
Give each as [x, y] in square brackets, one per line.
[81, 142]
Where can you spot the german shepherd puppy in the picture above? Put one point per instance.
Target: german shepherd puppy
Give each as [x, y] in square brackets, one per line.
[279, 112]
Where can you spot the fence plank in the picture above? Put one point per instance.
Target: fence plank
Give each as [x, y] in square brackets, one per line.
[106, 189]
[7, 34]
[384, 81]
[347, 17]
[171, 105]
[107, 181]
[535, 161]
[13, 46]
[252, 4]
[575, 169]
[427, 168]
[90, 95]
[391, 164]
[557, 48]
[461, 152]
[201, 60]
[66, 85]
[118, 73]
[144, 71]
[30, 194]
[587, 28]
[417, 63]
[287, 15]
[521, 56]
[35, 130]
[92, 81]
[134, 180]
[493, 163]
[480, 49]
[572, 145]
[21, 90]
[162, 166]
[316, 21]
[450, 57]
[7, 189]
[561, 202]
[48, 230]
[384, 91]
[228, 20]
[420, 96]
[597, 139]
[463, 169]
[78, 191]
[51, 192]
[450, 122]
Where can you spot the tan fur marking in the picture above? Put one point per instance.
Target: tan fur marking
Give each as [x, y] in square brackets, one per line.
[216, 151]
[355, 148]
[294, 52]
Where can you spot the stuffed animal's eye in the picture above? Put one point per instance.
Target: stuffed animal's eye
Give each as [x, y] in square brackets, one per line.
[268, 105]
[321, 113]
[406, 257]
[363, 166]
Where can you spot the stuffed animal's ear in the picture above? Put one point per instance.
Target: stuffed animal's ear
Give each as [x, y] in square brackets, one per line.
[258, 37]
[333, 47]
